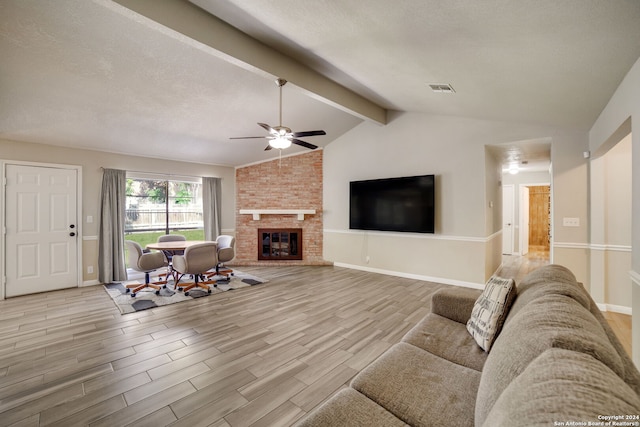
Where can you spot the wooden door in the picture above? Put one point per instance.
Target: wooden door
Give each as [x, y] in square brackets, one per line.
[539, 204]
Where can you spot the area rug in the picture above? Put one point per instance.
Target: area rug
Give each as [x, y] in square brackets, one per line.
[147, 298]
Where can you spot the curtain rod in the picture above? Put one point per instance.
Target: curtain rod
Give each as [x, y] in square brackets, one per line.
[164, 174]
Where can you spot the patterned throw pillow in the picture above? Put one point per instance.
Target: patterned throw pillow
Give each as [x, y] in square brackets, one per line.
[490, 310]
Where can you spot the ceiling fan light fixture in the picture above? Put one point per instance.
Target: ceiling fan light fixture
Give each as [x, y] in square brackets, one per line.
[513, 168]
[280, 142]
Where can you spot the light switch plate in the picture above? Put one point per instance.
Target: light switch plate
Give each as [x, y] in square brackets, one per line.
[571, 222]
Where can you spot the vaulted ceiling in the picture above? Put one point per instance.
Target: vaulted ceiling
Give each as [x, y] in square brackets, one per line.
[176, 79]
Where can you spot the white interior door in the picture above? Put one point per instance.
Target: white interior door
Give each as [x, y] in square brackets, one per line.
[524, 220]
[508, 208]
[41, 229]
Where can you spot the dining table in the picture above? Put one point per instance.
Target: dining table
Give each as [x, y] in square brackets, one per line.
[175, 245]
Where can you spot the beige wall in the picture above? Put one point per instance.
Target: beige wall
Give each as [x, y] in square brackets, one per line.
[615, 122]
[91, 163]
[611, 222]
[465, 247]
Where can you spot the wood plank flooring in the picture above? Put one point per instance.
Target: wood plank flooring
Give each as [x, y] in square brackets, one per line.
[260, 356]
[519, 266]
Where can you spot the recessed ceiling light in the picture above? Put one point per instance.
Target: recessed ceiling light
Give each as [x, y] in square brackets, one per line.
[442, 88]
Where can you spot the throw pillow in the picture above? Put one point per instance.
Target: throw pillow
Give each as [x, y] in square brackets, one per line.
[490, 310]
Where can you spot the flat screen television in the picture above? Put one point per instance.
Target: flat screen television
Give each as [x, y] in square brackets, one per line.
[405, 204]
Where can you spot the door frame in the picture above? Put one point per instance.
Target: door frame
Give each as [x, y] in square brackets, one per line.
[3, 241]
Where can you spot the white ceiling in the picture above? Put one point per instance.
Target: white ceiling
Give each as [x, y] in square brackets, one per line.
[93, 74]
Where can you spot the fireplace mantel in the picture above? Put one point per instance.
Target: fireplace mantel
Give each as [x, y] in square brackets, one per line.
[257, 212]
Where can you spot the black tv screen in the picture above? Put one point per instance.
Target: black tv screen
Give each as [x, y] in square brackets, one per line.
[403, 204]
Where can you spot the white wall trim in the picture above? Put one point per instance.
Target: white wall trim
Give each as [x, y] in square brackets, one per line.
[614, 308]
[593, 246]
[425, 236]
[570, 245]
[412, 276]
[611, 248]
[90, 283]
[87, 238]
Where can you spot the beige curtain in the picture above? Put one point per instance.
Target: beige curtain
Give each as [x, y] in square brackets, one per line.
[111, 266]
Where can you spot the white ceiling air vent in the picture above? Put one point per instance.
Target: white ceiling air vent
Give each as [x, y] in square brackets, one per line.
[442, 88]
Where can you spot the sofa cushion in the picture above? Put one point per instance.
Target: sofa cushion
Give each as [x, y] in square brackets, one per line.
[550, 279]
[490, 310]
[631, 374]
[420, 388]
[448, 339]
[349, 408]
[454, 303]
[559, 386]
[551, 321]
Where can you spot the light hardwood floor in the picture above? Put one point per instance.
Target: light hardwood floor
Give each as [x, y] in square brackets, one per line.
[260, 356]
[518, 267]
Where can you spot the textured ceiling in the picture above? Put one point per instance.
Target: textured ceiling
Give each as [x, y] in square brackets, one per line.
[96, 75]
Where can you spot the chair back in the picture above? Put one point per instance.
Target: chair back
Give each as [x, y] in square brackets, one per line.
[134, 253]
[226, 248]
[141, 261]
[197, 259]
[171, 238]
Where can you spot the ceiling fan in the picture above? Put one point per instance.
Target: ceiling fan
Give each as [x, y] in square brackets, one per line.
[282, 137]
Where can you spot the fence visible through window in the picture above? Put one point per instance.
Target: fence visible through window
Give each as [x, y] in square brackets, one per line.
[163, 206]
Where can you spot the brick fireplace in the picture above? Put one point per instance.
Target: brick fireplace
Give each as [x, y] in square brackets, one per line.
[280, 194]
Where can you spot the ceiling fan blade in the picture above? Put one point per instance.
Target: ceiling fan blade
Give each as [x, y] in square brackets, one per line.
[248, 137]
[268, 147]
[268, 128]
[308, 133]
[304, 144]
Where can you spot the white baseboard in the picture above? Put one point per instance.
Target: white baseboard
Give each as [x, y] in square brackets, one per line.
[90, 283]
[615, 308]
[412, 276]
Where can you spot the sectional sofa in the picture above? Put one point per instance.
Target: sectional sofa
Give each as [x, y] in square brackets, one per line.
[555, 362]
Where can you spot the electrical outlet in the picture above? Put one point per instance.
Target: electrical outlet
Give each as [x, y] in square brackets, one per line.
[571, 222]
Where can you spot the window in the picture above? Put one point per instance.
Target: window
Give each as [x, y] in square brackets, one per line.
[159, 205]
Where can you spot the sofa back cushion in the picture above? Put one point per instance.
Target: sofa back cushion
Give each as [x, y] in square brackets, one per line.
[559, 386]
[549, 321]
[550, 279]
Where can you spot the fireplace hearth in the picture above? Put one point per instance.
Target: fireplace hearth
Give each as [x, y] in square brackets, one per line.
[277, 244]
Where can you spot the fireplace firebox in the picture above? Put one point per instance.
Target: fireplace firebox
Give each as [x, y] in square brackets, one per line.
[279, 244]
